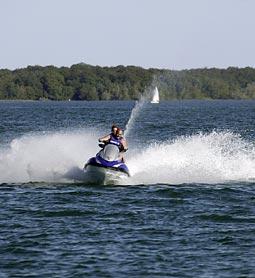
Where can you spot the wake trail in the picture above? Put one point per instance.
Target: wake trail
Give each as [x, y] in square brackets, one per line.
[46, 158]
[201, 158]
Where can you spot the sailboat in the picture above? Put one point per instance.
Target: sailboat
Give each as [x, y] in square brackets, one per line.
[155, 98]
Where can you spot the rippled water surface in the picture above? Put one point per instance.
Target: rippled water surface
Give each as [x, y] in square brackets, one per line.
[187, 211]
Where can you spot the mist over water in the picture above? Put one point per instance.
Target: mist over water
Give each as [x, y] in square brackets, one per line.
[45, 158]
[199, 158]
[202, 158]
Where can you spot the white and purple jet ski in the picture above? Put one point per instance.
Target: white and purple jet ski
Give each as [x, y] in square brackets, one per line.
[105, 167]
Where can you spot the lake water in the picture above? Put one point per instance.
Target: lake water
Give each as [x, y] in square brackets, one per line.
[187, 211]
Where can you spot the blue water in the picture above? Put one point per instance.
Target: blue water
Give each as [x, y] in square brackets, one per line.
[187, 211]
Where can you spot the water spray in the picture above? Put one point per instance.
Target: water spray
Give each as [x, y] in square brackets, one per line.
[134, 114]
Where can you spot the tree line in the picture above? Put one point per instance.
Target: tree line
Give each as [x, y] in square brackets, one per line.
[86, 82]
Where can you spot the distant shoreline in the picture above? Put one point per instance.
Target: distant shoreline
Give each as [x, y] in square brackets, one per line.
[86, 82]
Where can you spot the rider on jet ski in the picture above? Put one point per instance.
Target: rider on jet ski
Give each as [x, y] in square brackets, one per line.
[116, 138]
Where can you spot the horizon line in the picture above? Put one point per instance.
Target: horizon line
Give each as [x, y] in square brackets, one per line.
[121, 65]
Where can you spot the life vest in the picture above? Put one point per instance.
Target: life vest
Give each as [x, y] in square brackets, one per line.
[115, 141]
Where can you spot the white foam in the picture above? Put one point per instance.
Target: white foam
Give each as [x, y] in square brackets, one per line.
[202, 158]
[46, 157]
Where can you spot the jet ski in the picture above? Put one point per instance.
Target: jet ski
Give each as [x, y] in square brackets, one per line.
[105, 167]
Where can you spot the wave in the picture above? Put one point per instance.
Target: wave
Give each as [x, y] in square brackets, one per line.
[46, 157]
[200, 158]
[203, 158]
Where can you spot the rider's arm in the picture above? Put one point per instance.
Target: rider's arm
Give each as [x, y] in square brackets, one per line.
[105, 138]
[124, 144]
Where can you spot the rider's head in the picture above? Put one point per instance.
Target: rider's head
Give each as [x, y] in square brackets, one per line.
[119, 132]
[114, 128]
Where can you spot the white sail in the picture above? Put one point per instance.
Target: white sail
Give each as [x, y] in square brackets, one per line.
[155, 98]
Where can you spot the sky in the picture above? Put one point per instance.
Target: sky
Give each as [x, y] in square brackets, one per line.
[169, 34]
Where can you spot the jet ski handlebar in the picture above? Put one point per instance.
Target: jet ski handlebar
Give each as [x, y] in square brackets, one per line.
[101, 145]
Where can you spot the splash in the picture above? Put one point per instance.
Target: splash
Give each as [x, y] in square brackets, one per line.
[201, 158]
[47, 158]
[139, 105]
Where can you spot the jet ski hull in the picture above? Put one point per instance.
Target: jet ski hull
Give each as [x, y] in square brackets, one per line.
[106, 167]
[103, 175]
